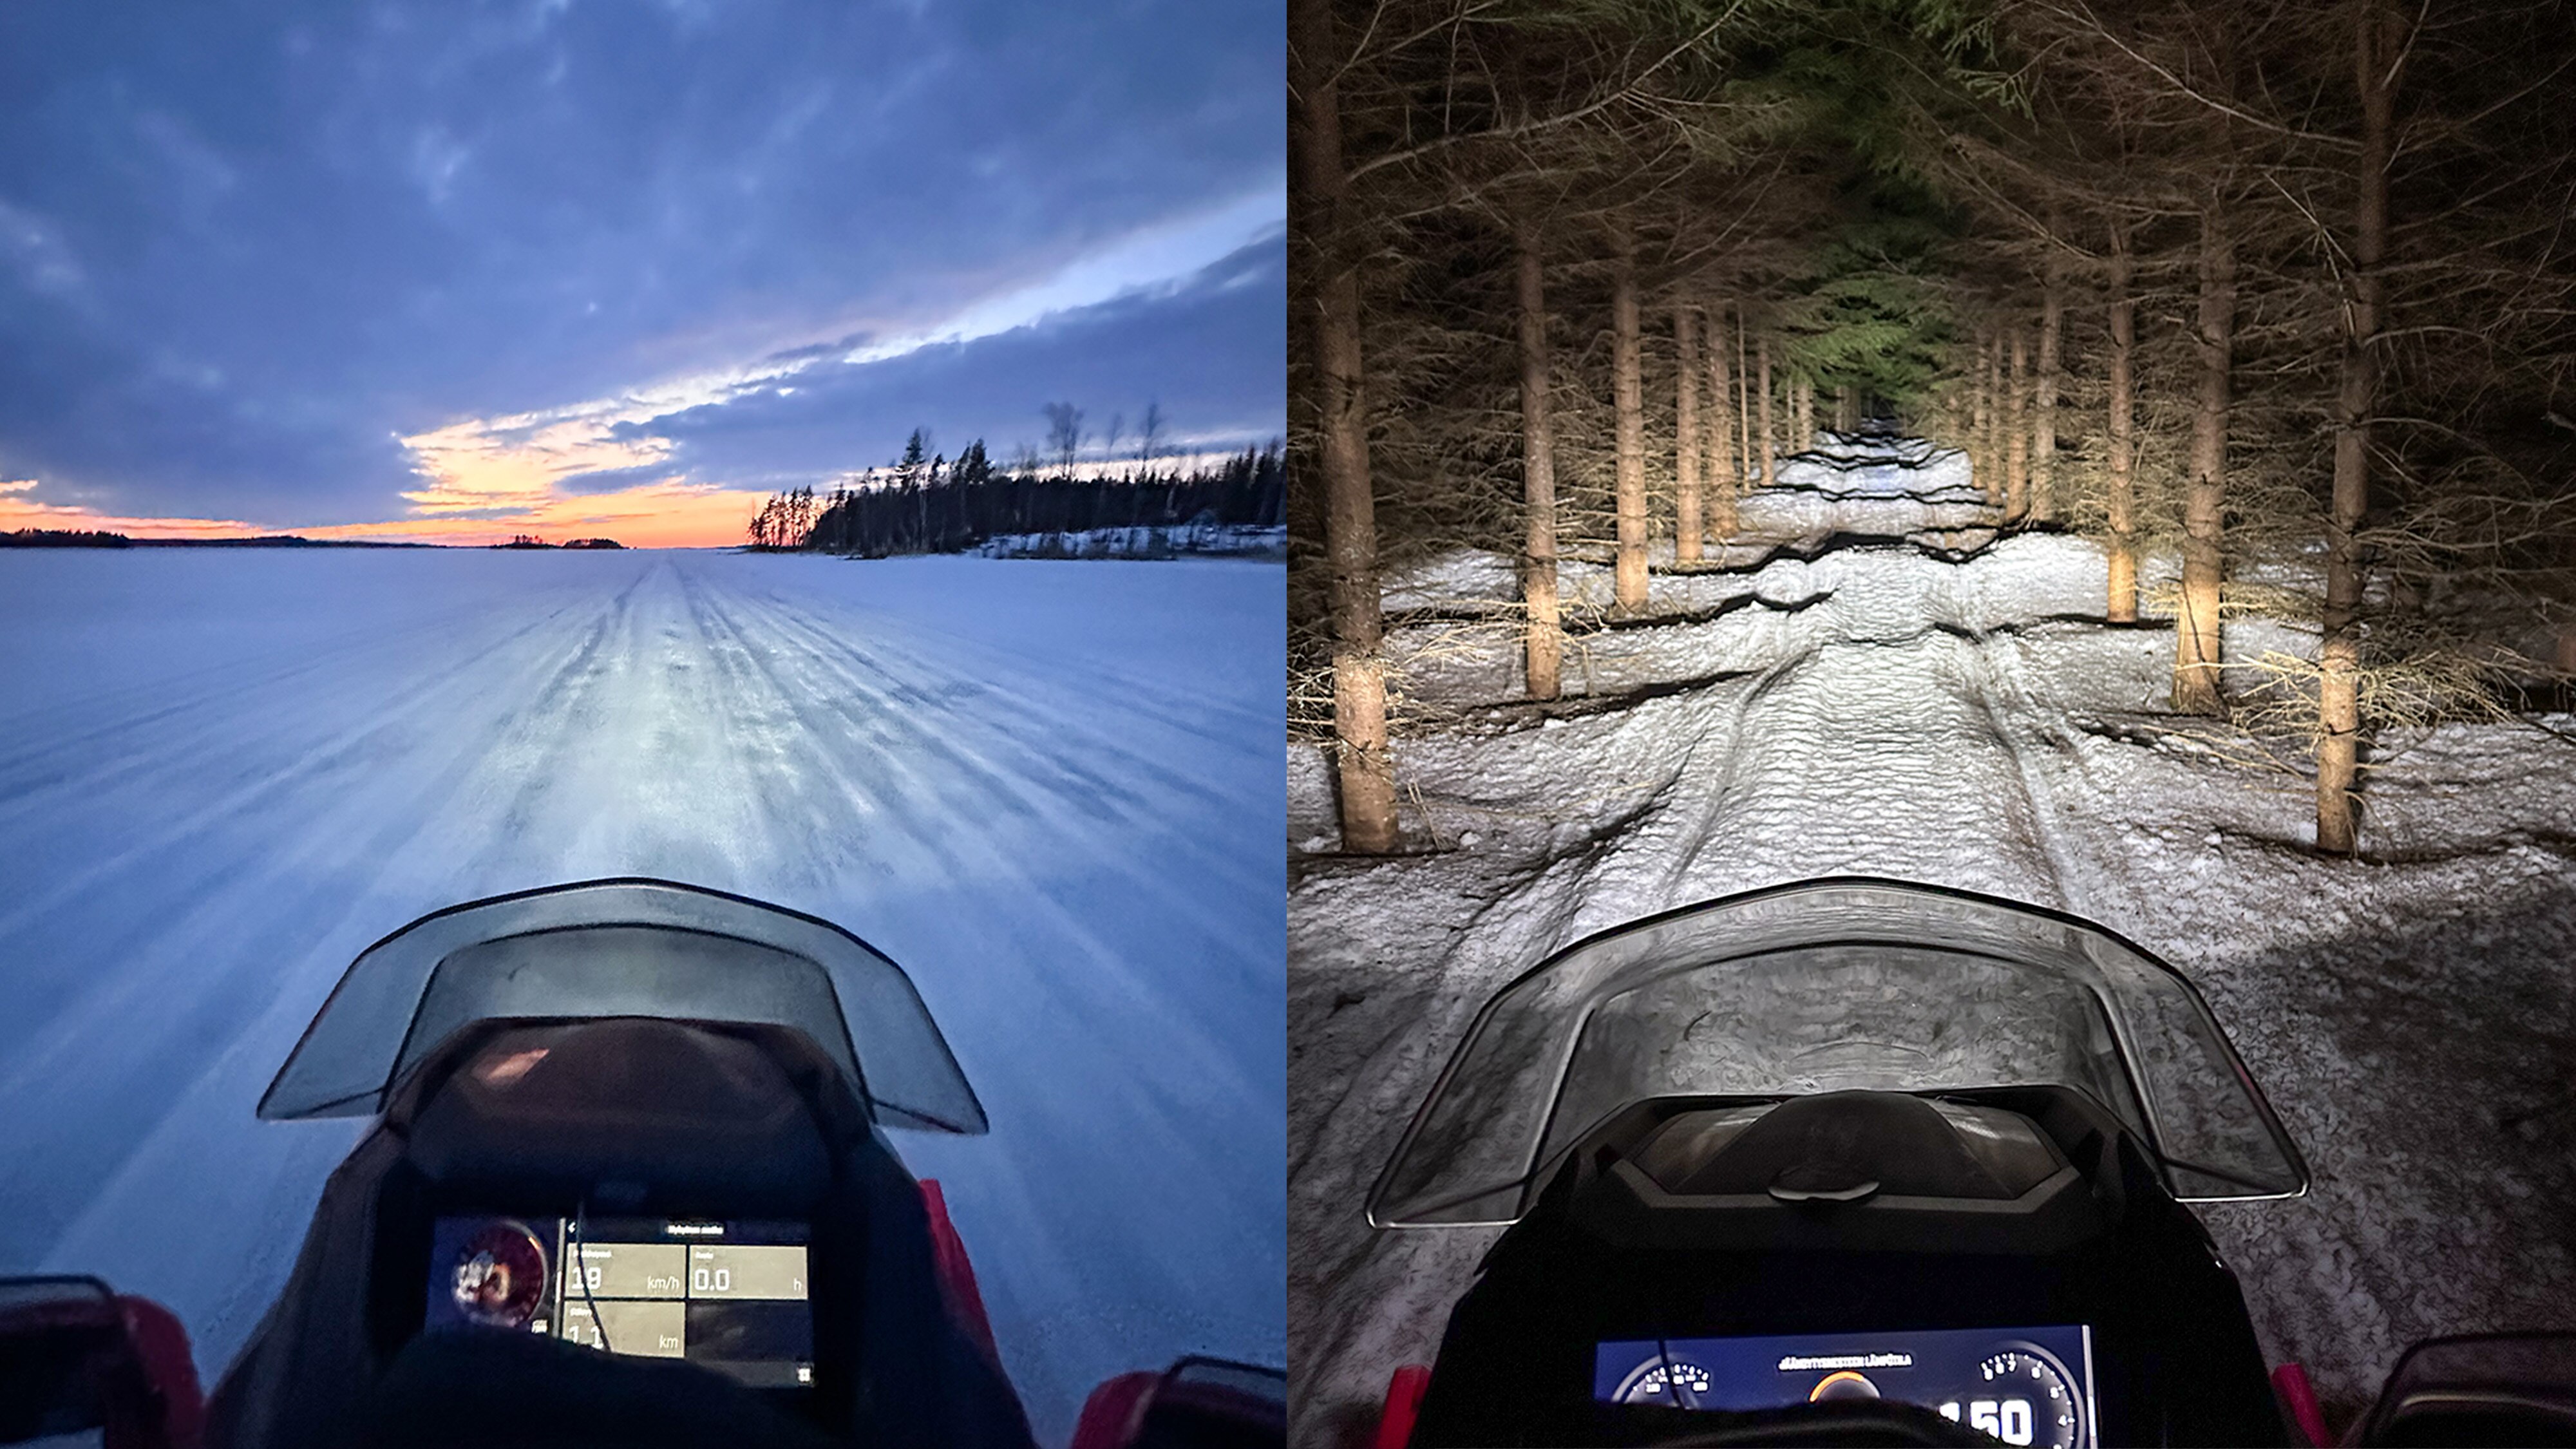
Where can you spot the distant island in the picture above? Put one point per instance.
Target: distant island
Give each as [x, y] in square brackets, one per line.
[530, 540]
[77, 538]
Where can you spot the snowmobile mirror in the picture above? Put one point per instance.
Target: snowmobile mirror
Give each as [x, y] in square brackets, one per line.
[77, 1359]
[2492, 1388]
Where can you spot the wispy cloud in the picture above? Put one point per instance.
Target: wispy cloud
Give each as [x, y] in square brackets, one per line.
[512, 464]
[519, 461]
[416, 265]
[1158, 256]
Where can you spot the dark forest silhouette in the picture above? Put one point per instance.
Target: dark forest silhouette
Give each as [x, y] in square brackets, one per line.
[934, 506]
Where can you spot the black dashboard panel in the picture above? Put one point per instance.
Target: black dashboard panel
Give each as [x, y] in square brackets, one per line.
[1607, 1257]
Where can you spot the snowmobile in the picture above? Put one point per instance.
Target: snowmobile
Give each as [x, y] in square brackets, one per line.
[1862, 1161]
[628, 1183]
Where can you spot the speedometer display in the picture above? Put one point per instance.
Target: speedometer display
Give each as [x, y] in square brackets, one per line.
[2026, 1397]
[2024, 1386]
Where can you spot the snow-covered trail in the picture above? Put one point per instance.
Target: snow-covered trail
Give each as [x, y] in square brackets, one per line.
[1044, 789]
[1883, 710]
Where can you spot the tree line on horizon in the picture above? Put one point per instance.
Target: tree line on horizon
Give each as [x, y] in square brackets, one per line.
[2277, 287]
[927, 503]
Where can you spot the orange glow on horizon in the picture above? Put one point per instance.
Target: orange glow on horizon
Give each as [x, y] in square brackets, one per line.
[667, 514]
[17, 512]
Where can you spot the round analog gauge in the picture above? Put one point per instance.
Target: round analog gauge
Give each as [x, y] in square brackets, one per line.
[1673, 1382]
[500, 1276]
[2022, 1396]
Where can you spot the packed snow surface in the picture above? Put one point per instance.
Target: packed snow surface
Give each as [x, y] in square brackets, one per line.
[1871, 687]
[1045, 789]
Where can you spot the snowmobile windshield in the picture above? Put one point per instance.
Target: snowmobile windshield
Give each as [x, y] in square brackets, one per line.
[624, 948]
[1826, 986]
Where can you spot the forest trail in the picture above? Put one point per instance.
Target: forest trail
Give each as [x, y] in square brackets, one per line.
[1055, 816]
[1874, 699]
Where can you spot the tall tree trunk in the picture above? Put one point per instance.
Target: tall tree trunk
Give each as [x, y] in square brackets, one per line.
[2123, 443]
[2197, 651]
[1543, 648]
[2016, 430]
[1723, 434]
[1804, 389]
[1367, 777]
[1989, 459]
[2043, 416]
[1752, 469]
[1766, 454]
[1629, 389]
[1686, 501]
[2375, 50]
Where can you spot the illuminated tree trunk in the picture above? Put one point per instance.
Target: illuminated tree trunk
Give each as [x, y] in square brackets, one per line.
[2196, 630]
[1752, 469]
[1543, 647]
[1629, 399]
[2016, 431]
[1766, 455]
[2375, 48]
[1686, 500]
[1366, 775]
[2043, 414]
[2122, 442]
[1725, 484]
[1984, 459]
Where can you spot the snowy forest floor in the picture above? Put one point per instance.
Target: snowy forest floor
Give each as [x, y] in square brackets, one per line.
[1046, 789]
[1893, 692]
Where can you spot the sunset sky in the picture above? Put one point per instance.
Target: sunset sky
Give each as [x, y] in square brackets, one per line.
[454, 271]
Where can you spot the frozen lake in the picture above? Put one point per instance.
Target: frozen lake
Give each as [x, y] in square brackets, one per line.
[1049, 790]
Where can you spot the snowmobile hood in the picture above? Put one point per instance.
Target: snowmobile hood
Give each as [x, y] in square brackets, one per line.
[625, 947]
[1824, 986]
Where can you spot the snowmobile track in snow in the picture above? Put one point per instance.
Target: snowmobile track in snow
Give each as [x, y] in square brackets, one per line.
[1045, 789]
[1966, 719]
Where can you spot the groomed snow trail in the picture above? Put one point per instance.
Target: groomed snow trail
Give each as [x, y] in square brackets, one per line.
[1042, 788]
[1880, 707]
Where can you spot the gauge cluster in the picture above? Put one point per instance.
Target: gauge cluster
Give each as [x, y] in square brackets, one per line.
[2029, 1386]
[730, 1295]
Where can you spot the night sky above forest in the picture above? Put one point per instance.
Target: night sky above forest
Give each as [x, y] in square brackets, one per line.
[438, 270]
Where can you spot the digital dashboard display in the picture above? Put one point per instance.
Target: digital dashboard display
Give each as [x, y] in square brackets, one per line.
[2022, 1385]
[728, 1295]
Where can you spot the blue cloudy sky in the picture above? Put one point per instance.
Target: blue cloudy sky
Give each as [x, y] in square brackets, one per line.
[450, 268]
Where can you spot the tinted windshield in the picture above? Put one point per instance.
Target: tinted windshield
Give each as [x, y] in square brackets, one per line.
[624, 948]
[1823, 987]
